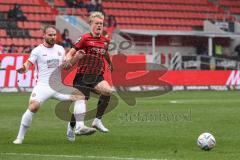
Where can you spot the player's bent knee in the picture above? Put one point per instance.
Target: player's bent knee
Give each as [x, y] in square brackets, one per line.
[77, 95]
[34, 106]
[107, 92]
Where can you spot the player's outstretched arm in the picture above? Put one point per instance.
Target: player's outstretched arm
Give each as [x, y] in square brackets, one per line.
[68, 57]
[25, 67]
[78, 55]
[72, 57]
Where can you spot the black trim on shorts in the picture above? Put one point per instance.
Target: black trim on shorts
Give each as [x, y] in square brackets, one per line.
[86, 83]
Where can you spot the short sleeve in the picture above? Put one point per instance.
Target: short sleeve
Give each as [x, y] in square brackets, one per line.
[63, 53]
[79, 43]
[33, 57]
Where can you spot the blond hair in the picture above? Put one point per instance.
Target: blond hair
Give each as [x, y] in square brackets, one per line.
[95, 15]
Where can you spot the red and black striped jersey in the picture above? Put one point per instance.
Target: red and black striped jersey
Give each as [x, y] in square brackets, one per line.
[94, 47]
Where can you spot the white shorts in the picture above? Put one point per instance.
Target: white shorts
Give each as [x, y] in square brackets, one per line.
[43, 92]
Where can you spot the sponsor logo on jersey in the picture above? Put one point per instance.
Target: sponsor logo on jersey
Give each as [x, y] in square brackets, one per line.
[53, 63]
[98, 50]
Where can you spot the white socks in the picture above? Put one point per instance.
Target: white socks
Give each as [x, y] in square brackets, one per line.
[96, 120]
[25, 123]
[79, 113]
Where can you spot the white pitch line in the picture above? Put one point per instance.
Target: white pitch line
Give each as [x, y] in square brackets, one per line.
[75, 156]
[176, 102]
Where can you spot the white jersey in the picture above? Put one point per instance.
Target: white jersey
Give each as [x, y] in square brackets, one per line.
[47, 62]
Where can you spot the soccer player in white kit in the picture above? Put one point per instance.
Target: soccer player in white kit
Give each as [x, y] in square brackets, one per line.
[48, 58]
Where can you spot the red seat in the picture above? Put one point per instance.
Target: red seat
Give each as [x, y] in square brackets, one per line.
[59, 3]
[18, 41]
[3, 33]
[8, 41]
[4, 8]
[27, 42]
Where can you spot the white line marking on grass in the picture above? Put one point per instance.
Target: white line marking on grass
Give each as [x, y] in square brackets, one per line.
[75, 156]
[176, 102]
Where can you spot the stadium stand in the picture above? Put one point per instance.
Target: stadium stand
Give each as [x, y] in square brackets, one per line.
[155, 14]
[163, 14]
[24, 33]
[232, 6]
[130, 14]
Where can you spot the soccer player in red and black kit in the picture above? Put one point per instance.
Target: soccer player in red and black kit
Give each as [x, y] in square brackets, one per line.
[90, 72]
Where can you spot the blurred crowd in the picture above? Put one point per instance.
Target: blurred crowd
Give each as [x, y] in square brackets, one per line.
[15, 49]
[16, 14]
[91, 5]
[62, 39]
[95, 5]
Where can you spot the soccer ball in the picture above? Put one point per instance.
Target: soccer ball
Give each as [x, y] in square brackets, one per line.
[206, 141]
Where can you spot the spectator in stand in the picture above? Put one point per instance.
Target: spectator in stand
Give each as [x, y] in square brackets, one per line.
[112, 22]
[27, 49]
[16, 13]
[94, 6]
[12, 49]
[218, 49]
[71, 3]
[99, 6]
[80, 4]
[91, 6]
[66, 41]
[5, 49]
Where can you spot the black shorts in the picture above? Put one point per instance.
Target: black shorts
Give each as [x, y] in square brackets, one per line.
[86, 83]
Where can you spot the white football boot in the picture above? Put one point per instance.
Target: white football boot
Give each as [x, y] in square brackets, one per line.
[70, 133]
[18, 141]
[84, 130]
[97, 123]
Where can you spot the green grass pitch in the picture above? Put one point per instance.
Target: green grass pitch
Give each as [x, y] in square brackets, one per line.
[161, 128]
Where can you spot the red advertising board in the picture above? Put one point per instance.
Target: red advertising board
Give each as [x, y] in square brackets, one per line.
[8, 75]
[124, 75]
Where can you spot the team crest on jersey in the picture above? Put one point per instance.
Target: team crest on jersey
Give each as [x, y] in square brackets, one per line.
[59, 53]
